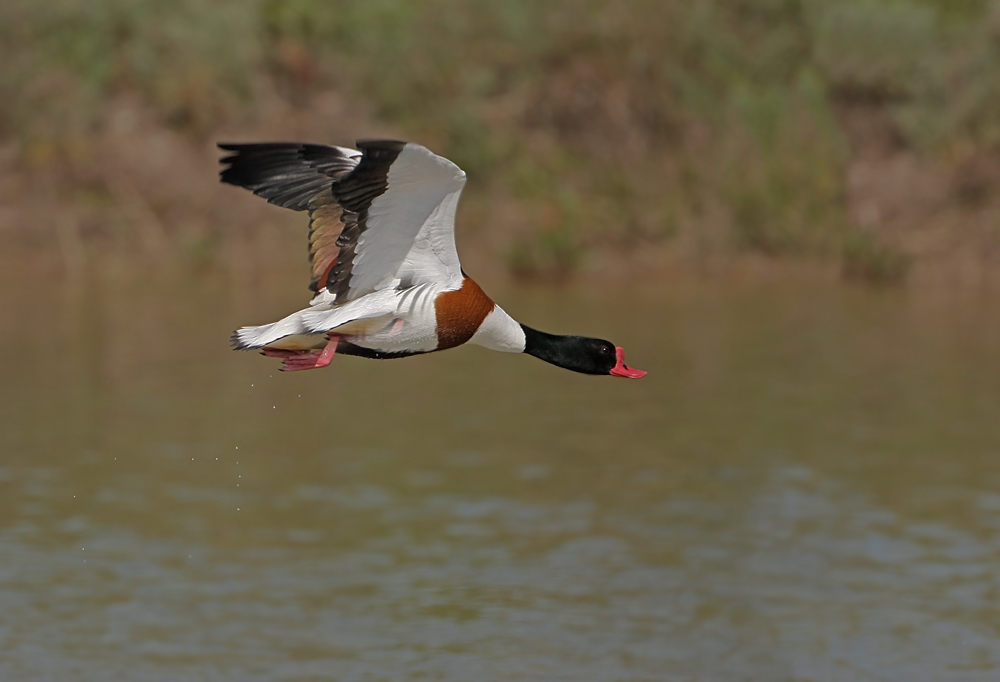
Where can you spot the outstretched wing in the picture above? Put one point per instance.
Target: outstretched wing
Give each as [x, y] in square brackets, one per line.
[287, 174]
[296, 176]
[387, 220]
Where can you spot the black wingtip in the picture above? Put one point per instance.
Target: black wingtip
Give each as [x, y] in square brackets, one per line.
[230, 172]
[287, 174]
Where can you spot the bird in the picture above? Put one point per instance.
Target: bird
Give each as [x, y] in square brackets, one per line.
[385, 274]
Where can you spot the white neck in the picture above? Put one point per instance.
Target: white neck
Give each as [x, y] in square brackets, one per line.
[500, 332]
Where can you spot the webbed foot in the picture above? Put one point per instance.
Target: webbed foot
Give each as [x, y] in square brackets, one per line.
[298, 360]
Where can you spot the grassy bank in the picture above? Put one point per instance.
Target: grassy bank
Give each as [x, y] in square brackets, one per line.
[864, 132]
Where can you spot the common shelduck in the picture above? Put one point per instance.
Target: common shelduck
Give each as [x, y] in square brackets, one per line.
[386, 278]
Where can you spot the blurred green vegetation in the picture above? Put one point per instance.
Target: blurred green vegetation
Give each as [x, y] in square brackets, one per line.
[596, 122]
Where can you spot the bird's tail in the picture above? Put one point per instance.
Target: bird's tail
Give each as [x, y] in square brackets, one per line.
[248, 338]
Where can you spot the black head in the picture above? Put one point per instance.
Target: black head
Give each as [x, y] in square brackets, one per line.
[579, 354]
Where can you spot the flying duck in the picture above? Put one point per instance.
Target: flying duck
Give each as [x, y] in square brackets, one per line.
[386, 279]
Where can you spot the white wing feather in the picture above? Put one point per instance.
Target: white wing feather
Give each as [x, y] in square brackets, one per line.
[410, 235]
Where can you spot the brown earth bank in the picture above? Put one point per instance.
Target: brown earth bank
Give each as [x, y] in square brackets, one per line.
[604, 140]
[138, 190]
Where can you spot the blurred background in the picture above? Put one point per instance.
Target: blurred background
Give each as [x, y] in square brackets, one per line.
[788, 211]
[676, 135]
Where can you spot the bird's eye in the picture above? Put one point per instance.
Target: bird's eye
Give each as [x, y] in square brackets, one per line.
[605, 349]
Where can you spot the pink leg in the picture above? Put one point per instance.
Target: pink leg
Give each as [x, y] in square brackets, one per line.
[297, 360]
